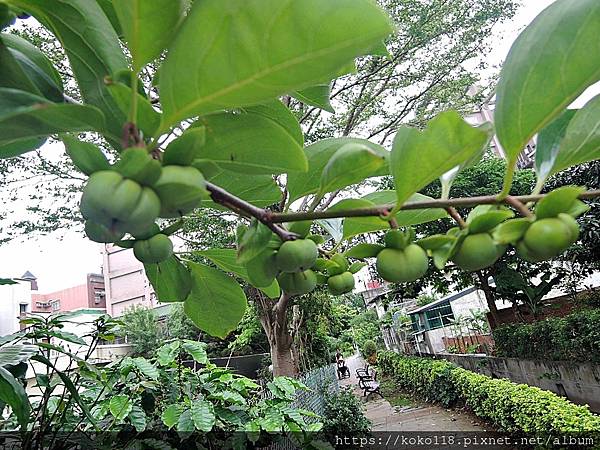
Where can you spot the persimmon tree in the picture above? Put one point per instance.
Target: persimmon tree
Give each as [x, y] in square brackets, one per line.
[210, 131]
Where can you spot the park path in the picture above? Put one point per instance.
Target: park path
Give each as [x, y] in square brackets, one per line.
[416, 417]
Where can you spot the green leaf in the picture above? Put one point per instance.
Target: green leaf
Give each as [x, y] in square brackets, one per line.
[66, 336]
[226, 260]
[486, 222]
[20, 146]
[15, 353]
[185, 423]
[280, 46]
[356, 267]
[581, 143]
[258, 140]
[148, 26]
[92, 47]
[358, 225]
[146, 367]
[363, 251]
[318, 155]
[253, 242]
[5, 281]
[349, 165]
[549, 143]
[20, 69]
[171, 414]
[317, 96]
[551, 63]
[420, 157]
[560, 200]
[170, 279]
[197, 350]
[137, 417]
[109, 10]
[216, 303]
[183, 150]
[87, 157]
[24, 116]
[511, 231]
[13, 394]
[23, 46]
[167, 353]
[147, 119]
[434, 242]
[229, 397]
[203, 415]
[120, 406]
[260, 190]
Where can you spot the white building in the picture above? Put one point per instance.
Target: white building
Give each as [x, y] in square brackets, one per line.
[15, 301]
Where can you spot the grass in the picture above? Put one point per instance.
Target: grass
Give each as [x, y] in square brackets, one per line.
[391, 394]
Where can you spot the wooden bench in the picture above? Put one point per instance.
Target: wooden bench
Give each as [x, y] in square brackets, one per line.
[368, 381]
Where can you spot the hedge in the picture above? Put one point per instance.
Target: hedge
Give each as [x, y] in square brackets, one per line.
[511, 407]
[575, 337]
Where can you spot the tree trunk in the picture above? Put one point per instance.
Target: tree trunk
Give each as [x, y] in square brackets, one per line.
[490, 298]
[273, 318]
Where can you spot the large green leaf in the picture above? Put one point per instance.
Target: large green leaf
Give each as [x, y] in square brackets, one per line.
[203, 415]
[138, 419]
[171, 414]
[260, 190]
[349, 165]
[317, 96]
[120, 406]
[318, 155]
[24, 116]
[92, 47]
[265, 139]
[15, 353]
[279, 46]
[551, 63]
[358, 225]
[226, 259]
[582, 138]
[197, 350]
[13, 394]
[216, 303]
[170, 279]
[26, 48]
[419, 157]
[146, 367]
[548, 145]
[147, 119]
[148, 26]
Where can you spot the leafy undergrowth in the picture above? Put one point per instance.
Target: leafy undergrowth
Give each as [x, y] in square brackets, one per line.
[391, 393]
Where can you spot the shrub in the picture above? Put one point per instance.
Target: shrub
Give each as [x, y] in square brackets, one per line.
[369, 349]
[344, 416]
[575, 337]
[509, 406]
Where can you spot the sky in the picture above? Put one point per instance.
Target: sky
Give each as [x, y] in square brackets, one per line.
[64, 259]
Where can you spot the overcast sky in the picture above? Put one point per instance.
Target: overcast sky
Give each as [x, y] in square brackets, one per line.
[63, 260]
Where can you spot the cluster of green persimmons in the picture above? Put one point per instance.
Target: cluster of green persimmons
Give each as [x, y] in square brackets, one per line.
[130, 195]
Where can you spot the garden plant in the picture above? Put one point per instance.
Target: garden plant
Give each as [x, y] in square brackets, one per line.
[183, 105]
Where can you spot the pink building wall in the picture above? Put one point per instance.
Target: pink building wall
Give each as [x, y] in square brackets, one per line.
[88, 295]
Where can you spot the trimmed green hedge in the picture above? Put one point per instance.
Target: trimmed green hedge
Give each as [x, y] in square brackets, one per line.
[511, 407]
[575, 337]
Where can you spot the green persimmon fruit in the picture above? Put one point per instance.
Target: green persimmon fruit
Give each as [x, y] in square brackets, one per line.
[100, 233]
[341, 284]
[142, 217]
[118, 203]
[298, 283]
[394, 239]
[262, 270]
[147, 232]
[477, 252]
[402, 266]
[548, 238]
[154, 250]
[301, 228]
[136, 164]
[296, 256]
[180, 189]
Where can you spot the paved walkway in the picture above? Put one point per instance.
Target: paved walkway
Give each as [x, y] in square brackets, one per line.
[417, 417]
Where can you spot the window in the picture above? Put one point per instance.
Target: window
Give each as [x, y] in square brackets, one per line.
[98, 296]
[55, 305]
[439, 316]
[23, 308]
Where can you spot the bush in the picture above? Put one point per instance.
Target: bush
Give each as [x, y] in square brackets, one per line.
[575, 337]
[509, 406]
[369, 349]
[344, 417]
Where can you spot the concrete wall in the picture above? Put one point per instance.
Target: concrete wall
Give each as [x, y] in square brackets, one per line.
[579, 382]
[11, 297]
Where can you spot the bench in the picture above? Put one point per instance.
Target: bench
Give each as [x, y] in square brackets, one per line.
[368, 381]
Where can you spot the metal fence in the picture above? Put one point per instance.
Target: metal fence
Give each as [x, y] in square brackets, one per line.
[320, 381]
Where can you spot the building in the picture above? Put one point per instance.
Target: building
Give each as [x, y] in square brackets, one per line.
[15, 301]
[125, 281]
[88, 295]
